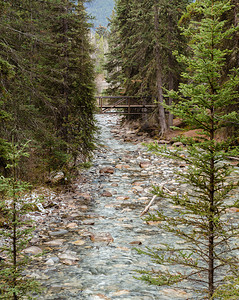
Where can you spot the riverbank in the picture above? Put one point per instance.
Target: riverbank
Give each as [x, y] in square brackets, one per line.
[88, 233]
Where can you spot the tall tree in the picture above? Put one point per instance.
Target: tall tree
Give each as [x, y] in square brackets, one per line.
[147, 33]
[200, 216]
[51, 98]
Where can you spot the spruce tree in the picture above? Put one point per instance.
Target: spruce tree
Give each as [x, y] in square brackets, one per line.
[69, 78]
[200, 215]
[51, 97]
[147, 33]
[16, 232]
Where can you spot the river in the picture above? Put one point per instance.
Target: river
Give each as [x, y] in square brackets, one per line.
[90, 246]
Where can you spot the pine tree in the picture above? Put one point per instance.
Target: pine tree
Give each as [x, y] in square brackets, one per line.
[51, 97]
[69, 78]
[200, 215]
[17, 231]
[147, 33]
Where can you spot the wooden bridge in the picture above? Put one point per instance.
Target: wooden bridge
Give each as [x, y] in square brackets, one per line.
[124, 104]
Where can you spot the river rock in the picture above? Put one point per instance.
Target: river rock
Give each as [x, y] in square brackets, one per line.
[120, 293]
[107, 194]
[107, 170]
[78, 243]
[56, 288]
[85, 196]
[177, 144]
[50, 262]
[68, 256]
[153, 223]
[136, 243]
[99, 297]
[34, 240]
[122, 198]
[72, 225]
[38, 276]
[88, 222]
[138, 188]
[101, 237]
[137, 183]
[53, 243]
[55, 259]
[83, 208]
[144, 164]
[120, 167]
[56, 177]
[58, 233]
[232, 210]
[33, 250]
[175, 293]
[154, 207]
[163, 142]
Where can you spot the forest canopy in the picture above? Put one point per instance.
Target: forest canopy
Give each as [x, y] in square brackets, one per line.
[46, 82]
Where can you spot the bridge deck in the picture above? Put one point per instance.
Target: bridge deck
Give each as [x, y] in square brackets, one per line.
[123, 102]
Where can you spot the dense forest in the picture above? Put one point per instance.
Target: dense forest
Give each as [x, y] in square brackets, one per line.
[100, 10]
[181, 55]
[144, 38]
[46, 84]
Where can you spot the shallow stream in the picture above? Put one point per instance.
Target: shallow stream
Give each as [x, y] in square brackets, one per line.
[95, 257]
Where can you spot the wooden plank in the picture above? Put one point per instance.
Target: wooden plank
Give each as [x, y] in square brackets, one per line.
[131, 106]
[121, 112]
[105, 108]
[122, 97]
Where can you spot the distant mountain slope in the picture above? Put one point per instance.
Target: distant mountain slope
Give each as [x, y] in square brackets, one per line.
[101, 10]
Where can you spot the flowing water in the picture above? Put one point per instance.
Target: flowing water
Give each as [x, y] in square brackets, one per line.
[96, 257]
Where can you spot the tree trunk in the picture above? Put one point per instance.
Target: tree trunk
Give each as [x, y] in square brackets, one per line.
[170, 100]
[14, 234]
[211, 234]
[236, 21]
[65, 112]
[170, 65]
[212, 210]
[162, 118]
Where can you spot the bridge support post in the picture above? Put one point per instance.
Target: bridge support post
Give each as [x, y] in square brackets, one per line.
[101, 104]
[144, 113]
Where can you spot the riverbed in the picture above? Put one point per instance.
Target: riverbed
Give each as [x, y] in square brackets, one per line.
[90, 246]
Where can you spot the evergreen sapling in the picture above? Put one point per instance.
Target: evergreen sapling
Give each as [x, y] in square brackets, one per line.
[16, 232]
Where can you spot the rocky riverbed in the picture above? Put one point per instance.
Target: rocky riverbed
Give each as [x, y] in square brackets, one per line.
[89, 233]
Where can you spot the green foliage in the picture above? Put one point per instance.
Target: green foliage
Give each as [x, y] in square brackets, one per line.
[100, 44]
[85, 165]
[47, 80]
[140, 60]
[228, 291]
[17, 231]
[199, 215]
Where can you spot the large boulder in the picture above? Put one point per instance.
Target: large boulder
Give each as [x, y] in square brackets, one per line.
[56, 178]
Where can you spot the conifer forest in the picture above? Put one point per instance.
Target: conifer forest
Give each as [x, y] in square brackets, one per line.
[82, 186]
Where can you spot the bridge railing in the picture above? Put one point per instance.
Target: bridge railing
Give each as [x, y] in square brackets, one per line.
[107, 103]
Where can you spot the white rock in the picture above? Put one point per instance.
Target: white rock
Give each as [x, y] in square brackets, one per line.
[33, 250]
[68, 256]
[50, 262]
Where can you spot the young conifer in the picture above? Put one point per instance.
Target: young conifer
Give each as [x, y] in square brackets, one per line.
[16, 232]
[200, 216]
